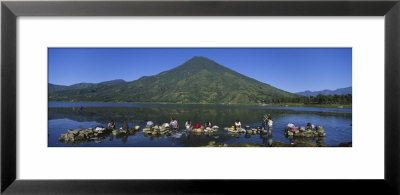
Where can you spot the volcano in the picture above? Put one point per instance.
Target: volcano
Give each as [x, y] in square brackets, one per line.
[197, 81]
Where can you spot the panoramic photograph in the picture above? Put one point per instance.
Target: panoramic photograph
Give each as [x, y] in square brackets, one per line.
[199, 97]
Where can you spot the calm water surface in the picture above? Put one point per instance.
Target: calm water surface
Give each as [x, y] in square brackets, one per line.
[64, 116]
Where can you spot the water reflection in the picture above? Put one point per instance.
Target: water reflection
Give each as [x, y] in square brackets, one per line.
[319, 141]
[270, 137]
[337, 125]
[219, 115]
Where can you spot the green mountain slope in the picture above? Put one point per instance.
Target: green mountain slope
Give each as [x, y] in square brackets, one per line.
[199, 80]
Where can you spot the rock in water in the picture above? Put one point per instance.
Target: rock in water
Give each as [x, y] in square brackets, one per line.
[70, 137]
[63, 137]
[80, 137]
[146, 130]
[309, 133]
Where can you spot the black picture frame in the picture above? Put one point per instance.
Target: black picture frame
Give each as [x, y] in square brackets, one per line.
[11, 10]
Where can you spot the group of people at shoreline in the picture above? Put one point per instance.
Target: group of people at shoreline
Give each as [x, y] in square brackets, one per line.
[173, 124]
[188, 124]
[293, 126]
[268, 122]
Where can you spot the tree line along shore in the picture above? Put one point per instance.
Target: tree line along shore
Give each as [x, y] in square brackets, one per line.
[316, 100]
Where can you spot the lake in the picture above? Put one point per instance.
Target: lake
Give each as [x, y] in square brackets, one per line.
[63, 116]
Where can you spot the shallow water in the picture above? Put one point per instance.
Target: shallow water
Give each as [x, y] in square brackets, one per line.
[64, 116]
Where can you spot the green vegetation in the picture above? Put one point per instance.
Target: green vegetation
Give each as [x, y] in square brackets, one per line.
[309, 105]
[318, 100]
[197, 81]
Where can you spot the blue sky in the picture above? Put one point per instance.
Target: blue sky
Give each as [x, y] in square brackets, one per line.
[290, 69]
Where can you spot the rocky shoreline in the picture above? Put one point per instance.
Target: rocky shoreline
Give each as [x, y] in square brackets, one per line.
[99, 134]
[247, 130]
[93, 134]
[157, 130]
[302, 132]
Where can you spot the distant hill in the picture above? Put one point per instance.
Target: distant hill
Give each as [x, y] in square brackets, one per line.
[53, 87]
[199, 80]
[340, 91]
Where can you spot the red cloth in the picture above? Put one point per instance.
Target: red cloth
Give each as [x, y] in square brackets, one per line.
[197, 126]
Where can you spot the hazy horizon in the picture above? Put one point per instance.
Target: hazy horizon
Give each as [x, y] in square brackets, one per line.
[290, 69]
